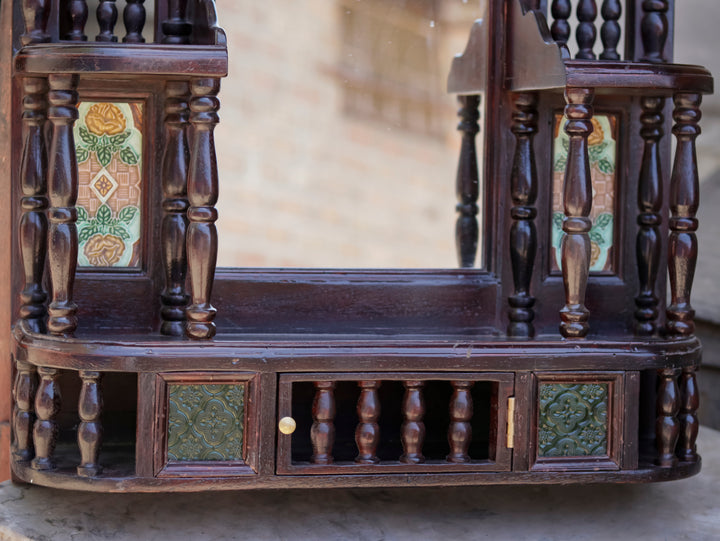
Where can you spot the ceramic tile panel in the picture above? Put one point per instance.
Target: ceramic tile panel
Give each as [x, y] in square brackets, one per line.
[603, 166]
[108, 145]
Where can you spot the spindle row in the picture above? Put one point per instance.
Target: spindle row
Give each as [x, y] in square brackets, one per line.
[676, 428]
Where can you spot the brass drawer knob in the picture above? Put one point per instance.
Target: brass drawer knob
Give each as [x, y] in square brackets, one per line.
[287, 425]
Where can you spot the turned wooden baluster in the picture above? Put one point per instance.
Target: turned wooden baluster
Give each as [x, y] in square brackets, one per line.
[63, 190]
[23, 415]
[684, 201]
[176, 28]
[654, 30]
[461, 412]
[322, 432]
[47, 406]
[690, 401]
[78, 11]
[649, 204]
[667, 427]
[90, 429]
[577, 200]
[174, 227]
[367, 434]
[202, 194]
[561, 11]
[107, 15]
[610, 30]
[467, 183]
[36, 14]
[523, 236]
[134, 19]
[413, 428]
[33, 227]
[586, 33]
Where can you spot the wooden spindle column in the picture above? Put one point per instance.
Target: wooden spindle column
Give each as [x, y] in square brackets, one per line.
[175, 204]
[134, 19]
[322, 432]
[667, 427]
[577, 201]
[107, 15]
[47, 406]
[560, 30]
[467, 182]
[367, 434]
[586, 33]
[684, 201]
[23, 414]
[460, 431]
[33, 228]
[649, 200]
[176, 28]
[90, 429]
[413, 428]
[202, 194]
[610, 30]
[654, 30]
[78, 10]
[36, 14]
[523, 236]
[63, 190]
[689, 424]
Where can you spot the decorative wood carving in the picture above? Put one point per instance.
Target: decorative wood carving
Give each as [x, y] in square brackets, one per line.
[36, 14]
[649, 219]
[413, 428]
[23, 415]
[174, 227]
[176, 28]
[202, 194]
[610, 30]
[654, 30]
[63, 190]
[577, 200]
[47, 406]
[586, 33]
[33, 227]
[322, 432]
[523, 236]
[461, 412]
[367, 434]
[561, 11]
[689, 424]
[78, 11]
[684, 201]
[667, 427]
[107, 15]
[134, 19]
[90, 429]
[467, 184]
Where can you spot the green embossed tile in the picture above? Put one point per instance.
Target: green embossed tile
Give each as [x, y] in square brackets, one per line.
[206, 422]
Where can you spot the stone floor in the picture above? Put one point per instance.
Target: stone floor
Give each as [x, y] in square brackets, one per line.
[688, 509]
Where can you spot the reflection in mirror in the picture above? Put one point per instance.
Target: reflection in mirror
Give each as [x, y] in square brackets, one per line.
[337, 145]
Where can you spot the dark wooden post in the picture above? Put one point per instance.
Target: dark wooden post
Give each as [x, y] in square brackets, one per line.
[36, 14]
[63, 190]
[134, 19]
[174, 227]
[78, 19]
[413, 428]
[107, 15]
[610, 30]
[467, 183]
[577, 200]
[586, 33]
[177, 29]
[684, 201]
[461, 412]
[654, 30]
[202, 194]
[523, 237]
[23, 415]
[690, 401]
[367, 434]
[649, 201]
[561, 11]
[90, 429]
[322, 432]
[47, 406]
[33, 227]
[667, 427]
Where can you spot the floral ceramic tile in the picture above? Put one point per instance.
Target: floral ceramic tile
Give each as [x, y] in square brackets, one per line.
[603, 161]
[108, 144]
